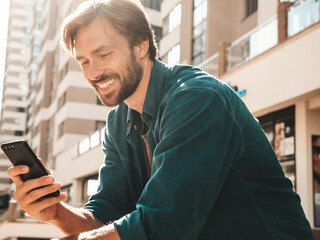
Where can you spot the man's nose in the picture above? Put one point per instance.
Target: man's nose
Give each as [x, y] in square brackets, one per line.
[95, 72]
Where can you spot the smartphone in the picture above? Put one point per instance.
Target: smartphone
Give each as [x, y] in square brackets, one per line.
[20, 153]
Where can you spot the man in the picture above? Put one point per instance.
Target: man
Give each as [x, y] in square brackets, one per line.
[184, 158]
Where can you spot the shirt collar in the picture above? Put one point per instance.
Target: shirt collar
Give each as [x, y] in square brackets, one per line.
[154, 92]
[153, 95]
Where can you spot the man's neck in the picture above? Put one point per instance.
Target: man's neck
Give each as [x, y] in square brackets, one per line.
[136, 100]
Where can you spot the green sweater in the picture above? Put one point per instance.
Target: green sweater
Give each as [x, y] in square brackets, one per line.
[214, 172]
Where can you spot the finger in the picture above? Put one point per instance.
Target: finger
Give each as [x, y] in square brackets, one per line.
[14, 173]
[47, 202]
[42, 162]
[37, 194]
[27, 186]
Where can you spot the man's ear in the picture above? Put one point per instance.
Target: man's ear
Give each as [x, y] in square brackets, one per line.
[143, 48]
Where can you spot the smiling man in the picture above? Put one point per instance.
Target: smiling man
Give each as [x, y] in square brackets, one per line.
[184, 158]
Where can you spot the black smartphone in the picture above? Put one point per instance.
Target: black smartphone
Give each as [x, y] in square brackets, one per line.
[20, 153]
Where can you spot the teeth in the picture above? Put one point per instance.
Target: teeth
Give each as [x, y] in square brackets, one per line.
[106, 84]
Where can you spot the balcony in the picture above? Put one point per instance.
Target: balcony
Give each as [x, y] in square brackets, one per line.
[274, 63]
[259, 40]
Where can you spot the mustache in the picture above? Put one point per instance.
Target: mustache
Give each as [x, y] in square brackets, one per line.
[105, 77]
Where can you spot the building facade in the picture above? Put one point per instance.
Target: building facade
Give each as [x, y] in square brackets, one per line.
[23, 38]
[60, 108]
[264, 49]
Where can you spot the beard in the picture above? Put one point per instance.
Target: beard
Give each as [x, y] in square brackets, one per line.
[128, 83]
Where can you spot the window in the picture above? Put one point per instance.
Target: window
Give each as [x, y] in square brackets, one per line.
[173, 20]
[62, 100]
[27, 30]
[251, 7]
[35, 51]
[279, 128]
[26, 41]
[69, 190]
[39, 6]
[37, 26]
[34, 60]
[18, 133]
[90, 186]
[36, 40]
[199, 29]
[174, 55]
[61, 130]
[38, 17]
[20, 109]
[154, 4]
[33, 73]
[316, 177]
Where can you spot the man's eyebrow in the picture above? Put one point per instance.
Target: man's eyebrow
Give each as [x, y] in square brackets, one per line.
[99, 49]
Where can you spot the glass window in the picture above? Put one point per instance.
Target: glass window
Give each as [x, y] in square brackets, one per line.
[69, 190]
[38, 17]
[154, 4]
[61, 130]
[173, 20]
[39, 6]
[37, 26]
[84, 145]
[26, 41]
[251, 7]
[279, 128]
[90, 187]
[199, 29]
[200, 12]
[20, 109]
[18, 133]
[35, 51]
[174, 55]
[36, 40]
[316, 177]
[27, 30]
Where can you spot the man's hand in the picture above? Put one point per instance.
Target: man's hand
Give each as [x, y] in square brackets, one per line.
[108, 232]
[29, 193]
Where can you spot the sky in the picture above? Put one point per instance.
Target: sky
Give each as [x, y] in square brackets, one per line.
[4, 12]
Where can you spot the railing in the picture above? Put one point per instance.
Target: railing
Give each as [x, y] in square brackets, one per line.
[211, 65]
[253, 43]
[302, 14]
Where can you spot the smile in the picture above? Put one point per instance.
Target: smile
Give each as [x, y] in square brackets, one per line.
[107, 83]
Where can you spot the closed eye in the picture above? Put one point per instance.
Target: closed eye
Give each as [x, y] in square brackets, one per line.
[84, 63]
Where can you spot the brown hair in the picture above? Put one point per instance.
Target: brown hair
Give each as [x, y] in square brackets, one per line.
[127, 17]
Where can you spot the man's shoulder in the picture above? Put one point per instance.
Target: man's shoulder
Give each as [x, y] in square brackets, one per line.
[184, 78]
[117, 115]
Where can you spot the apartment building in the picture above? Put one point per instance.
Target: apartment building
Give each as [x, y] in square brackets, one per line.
[22, 35]
[60, 107]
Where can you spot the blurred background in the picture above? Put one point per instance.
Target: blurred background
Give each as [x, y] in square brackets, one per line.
[268, 51]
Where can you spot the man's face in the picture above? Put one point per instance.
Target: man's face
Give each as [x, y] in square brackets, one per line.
[108, 63]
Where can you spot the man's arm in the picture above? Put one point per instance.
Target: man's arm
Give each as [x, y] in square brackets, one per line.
[107, 232]
[72, 220]
[29, 193]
